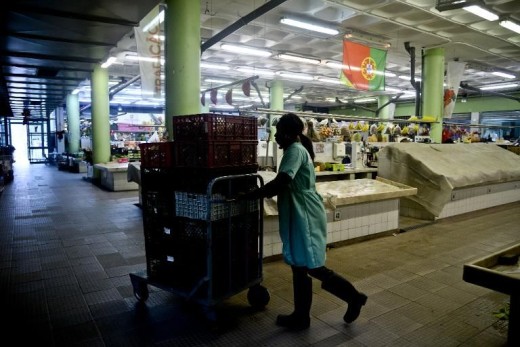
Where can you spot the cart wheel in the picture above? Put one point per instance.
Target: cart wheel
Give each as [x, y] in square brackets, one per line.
[140, 289]
[141, 292]
[258, 296]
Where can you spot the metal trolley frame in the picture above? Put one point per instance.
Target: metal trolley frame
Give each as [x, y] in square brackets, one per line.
[234, 226]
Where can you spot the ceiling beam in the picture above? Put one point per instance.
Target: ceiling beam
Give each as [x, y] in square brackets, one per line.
[25, 8]
[29, 66]
[43, 77]
[268, 6]
[50, 57]
[58, 39]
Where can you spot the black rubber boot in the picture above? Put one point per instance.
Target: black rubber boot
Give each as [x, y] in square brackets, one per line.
[344, 290]
[302, 289]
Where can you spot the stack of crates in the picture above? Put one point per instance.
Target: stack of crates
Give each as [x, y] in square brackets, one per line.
[178, 214]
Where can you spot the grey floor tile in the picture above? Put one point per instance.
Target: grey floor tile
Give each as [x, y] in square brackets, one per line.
[65, 261]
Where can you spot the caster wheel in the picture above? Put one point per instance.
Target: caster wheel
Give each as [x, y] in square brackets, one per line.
[142, 294]
[140, 287]
[258, 296]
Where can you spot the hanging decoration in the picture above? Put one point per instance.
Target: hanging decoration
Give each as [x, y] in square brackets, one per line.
[246, 88]
[229, 96]
[213, 96]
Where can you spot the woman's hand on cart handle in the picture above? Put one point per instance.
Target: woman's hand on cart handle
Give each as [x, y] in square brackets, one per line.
[239, 197]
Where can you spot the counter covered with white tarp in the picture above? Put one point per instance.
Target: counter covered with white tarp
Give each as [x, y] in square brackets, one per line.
[440, 172]
[356, 209]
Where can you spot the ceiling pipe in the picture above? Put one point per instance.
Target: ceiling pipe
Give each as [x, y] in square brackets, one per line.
[415, 84]
[114, 90]
[119, 87]
[268, 6]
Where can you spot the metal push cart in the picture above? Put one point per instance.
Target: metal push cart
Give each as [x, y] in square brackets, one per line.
[211, 250]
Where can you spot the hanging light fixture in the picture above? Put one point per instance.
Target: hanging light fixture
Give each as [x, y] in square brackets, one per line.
[309, 26]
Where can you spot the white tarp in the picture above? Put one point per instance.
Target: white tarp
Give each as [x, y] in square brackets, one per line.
[437, 169]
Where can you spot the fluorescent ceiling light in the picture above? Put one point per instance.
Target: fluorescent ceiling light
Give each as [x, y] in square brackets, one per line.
[329, 80]
[510, 25]
[481, 12]
[110, 61]
[499, 86]
[503, 74]
[245, 50]
[148, 59]
[156, 21]
[340, 66]
[295, 76]
[365, 100]
[390, 74]
[213, 66]
[254, 71]
[298, 59]
[222, 107]
[309, 26]
[408, 78]
[211, 80]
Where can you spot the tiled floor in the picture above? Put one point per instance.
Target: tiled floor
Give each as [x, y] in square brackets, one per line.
[67, 247]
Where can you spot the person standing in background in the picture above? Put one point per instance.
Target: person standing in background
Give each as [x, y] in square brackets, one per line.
[303, 226]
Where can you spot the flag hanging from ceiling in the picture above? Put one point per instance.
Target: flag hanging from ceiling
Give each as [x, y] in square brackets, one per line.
[149, 49]
[364, 67]
[454, 73]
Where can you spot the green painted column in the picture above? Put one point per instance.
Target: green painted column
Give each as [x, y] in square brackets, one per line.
[275, 102]
[433, 90]
[385, 112]
[182, 59]
[100, 116]
[73, 122]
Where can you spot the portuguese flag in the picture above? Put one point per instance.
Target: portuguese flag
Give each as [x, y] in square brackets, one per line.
[364, 67]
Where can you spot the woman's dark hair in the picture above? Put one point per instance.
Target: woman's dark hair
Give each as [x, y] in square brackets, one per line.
[292, 125]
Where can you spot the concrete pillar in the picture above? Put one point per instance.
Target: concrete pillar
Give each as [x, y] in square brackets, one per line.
[100, 116]
[275, 103]
[73, 122]
[385, 112]
[433, 90]
[182, 59]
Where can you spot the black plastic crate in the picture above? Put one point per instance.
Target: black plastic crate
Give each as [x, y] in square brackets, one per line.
[181, 258]
[190, 179]
[158, 205]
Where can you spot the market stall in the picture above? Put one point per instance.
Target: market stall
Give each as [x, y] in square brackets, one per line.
[451, 179]
[114, 176]
[356, 209]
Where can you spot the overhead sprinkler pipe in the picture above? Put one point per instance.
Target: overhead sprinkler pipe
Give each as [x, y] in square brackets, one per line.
[415, 84]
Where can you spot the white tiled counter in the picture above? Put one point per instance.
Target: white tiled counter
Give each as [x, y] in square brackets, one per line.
[356, 209]
[114, 176]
